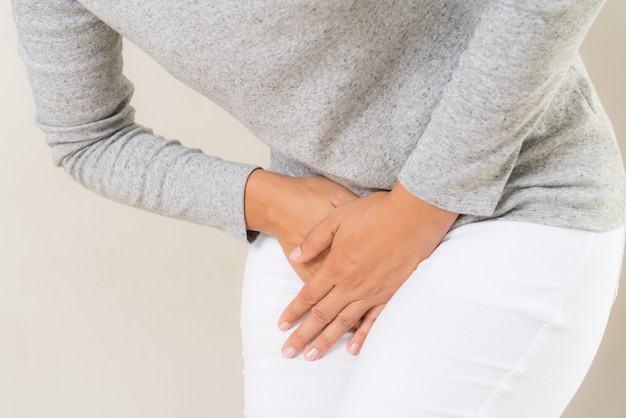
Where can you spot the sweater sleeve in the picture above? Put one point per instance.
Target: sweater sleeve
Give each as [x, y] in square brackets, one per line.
[74, 65]
[504, 81]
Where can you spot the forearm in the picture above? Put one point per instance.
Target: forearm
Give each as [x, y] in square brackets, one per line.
[74, 64]
[139, 169]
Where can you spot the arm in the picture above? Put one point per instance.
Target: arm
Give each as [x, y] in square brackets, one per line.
[74, 64]
[505, 79]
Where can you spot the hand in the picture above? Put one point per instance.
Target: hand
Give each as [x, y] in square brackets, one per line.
[373, 244]
[288, 207]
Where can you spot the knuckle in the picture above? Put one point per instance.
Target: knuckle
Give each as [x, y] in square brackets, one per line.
[307, 245]
[369, 320]
[357, 324]
[344, 321]
[307, 295]
[344, 267]
[323, 342]
[319, 315]
[335, 271]
[316, 241]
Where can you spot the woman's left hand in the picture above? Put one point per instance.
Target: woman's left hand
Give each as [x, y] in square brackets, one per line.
[374, 244]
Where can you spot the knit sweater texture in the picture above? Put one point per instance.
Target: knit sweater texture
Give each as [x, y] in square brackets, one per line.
[479, 107]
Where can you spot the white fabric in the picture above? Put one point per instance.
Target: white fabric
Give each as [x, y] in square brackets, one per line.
[503, 320]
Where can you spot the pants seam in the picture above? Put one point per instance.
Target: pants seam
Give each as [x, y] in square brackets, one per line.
[538, 340]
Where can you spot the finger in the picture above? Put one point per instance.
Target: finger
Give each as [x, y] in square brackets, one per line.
[316, 241]
[320, 315]
[311, 293]
[360, 334]
[343, 323]
[306, 271]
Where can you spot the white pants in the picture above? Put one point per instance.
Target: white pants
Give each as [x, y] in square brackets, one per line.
[503, 320]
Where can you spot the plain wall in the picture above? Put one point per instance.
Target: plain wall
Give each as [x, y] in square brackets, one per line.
[108, 311]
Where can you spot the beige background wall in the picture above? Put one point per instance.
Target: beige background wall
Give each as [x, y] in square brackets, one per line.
[106, 311]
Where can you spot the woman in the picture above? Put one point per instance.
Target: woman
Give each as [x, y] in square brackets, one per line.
[443, 179]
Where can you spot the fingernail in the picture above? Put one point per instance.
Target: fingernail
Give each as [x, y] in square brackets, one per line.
[284, 326]
[295, 254]
[289, 352]
[312, 354]
[354, 349]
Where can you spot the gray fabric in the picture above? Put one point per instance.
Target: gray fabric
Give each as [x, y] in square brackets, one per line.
[481, 107]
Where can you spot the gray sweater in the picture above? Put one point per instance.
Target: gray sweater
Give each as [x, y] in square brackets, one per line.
[479, 107]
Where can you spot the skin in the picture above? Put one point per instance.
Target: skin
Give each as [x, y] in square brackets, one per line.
[287, 208]
[327, 232]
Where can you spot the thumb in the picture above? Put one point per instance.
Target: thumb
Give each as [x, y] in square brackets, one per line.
[319, 238]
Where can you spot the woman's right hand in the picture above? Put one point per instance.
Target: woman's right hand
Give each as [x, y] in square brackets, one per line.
[289, 207]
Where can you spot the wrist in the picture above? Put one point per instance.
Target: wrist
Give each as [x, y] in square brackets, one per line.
[413, 206]
[257, 195]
